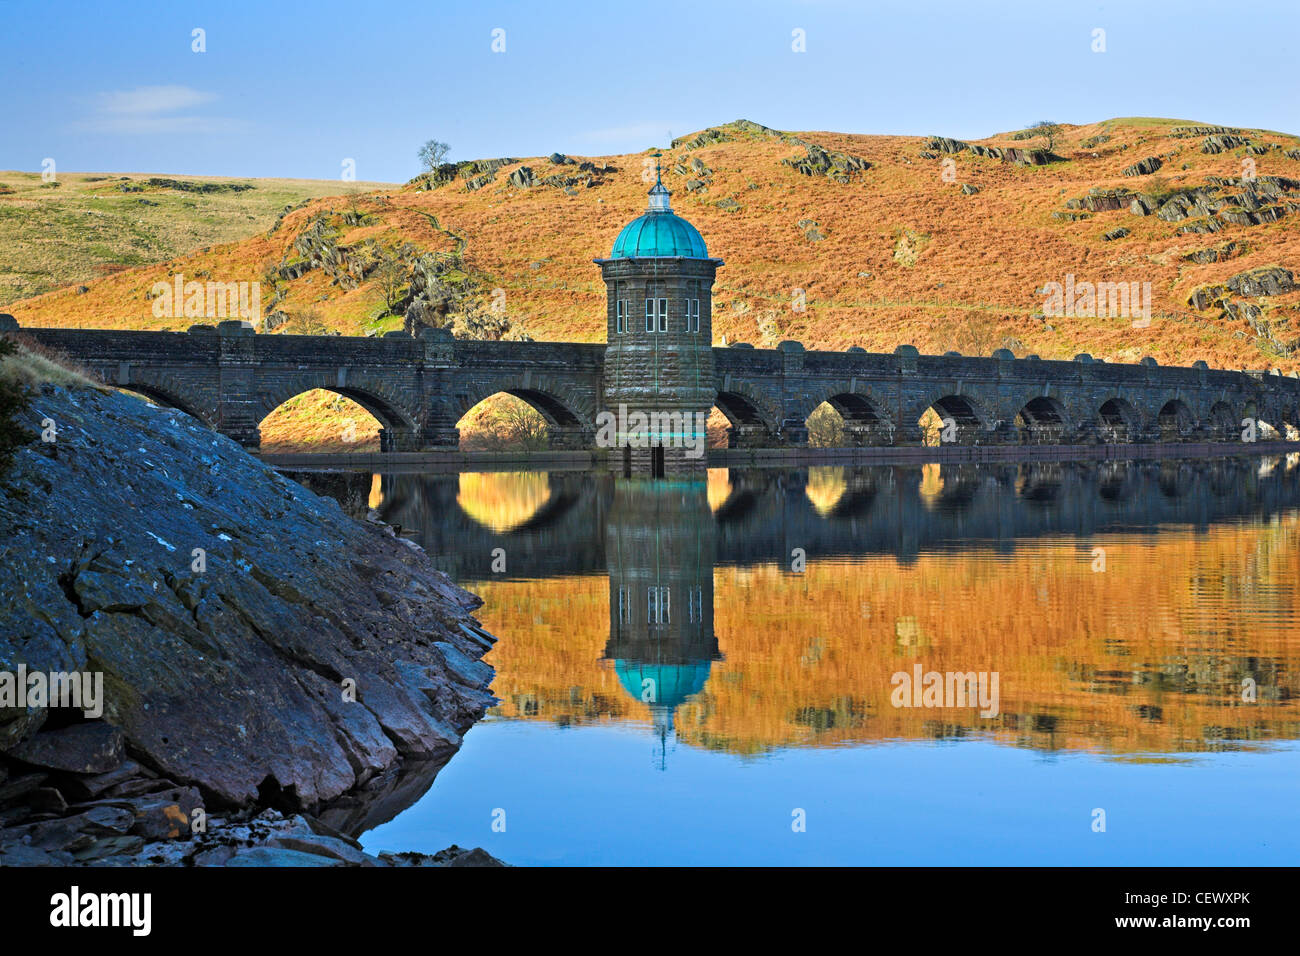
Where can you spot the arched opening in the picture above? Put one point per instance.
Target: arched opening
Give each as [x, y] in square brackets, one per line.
[1263, 430]
[717, 429]
[848, 420]
[742, 424]
[1176, 421]
[504, 422]
[1118, 420]
[1041, 422]
[826, 427]
[321, 420]
[952, 419]
[1224, 425]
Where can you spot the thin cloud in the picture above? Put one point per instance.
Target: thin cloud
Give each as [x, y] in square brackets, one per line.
[155, 109]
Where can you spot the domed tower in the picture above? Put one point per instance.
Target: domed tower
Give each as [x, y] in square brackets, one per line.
[659, 379]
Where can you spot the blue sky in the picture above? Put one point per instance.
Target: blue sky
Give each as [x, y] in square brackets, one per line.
[295, 90]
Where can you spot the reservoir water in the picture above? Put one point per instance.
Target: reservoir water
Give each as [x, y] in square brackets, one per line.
[721, 671]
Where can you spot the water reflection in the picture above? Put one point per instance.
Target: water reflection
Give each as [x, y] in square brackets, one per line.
[659, 544]
[1130, 608]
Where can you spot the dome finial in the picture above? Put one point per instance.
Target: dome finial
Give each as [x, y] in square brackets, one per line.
[658, 192]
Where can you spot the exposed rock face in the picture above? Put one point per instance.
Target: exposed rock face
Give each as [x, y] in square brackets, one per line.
[1222, 142]
[1012, 154]
[230, 612]
[1227, 250]
[1143, 167]
[829, 163]
[1270, 280]
[1187, 132]
[107, 835]
[476, 173]
[1101, 200]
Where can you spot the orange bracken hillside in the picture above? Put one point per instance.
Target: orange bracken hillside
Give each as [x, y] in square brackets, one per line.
[931, 243]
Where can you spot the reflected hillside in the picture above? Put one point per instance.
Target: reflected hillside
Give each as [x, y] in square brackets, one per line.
[1124, 606]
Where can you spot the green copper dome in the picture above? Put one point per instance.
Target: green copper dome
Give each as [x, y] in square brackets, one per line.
[660, 232]
[672, 683]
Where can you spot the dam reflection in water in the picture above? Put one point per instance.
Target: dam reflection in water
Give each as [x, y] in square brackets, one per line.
[735, 640]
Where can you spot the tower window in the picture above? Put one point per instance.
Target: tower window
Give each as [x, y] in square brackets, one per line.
[620, 319]
[657, 605]
[696, 610]
[656, 315]
[692, 315]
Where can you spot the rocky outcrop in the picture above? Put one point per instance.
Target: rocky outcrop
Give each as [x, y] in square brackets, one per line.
[1245, 201]
[1191, 132]
[1222, 142]
[1268, 280]
[1012, 154]
[1219, 253]
[1101, 200]
[109, 834]
[255, 646]
[837, 166]
[475, 173]
[1143, 167]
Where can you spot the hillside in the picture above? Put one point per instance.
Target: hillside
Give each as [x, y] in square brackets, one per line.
[83, 226]
[829, 238]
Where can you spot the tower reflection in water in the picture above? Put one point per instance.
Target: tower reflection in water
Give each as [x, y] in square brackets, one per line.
[609, 612]
[660, 545]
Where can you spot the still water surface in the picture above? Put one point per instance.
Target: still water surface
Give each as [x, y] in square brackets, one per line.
[689, 671]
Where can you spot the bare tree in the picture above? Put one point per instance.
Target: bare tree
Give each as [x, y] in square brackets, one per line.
[390, 273]
[433, 154]
[1049, 130]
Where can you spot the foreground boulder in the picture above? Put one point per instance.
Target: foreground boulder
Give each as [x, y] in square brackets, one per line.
[257, 647]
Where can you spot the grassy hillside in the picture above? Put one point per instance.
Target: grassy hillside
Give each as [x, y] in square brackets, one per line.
[829, 238]
[88, 225]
